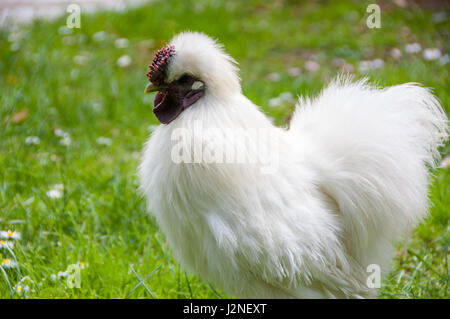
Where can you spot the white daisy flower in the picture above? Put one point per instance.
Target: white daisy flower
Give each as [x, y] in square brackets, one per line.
[444, 60]
[66, 141]
[348, 68]
[59, 132]
[62, 274]
[445, 163]
[9, 234]
[294, 71]
[413, 48]
[100, 36]
[32, 140]
[274, 102]
[370, 65]
[312, 66]
[6, 244]
[83, 265]
[65, 137]
[280, 99]
[104, 141]
[377, 63]
[19, 289]
[364, 66]
[8, 263]
[56, 192]
[431, 54]
[396, 53]
[286, 96]
[122, 43]
[273, 77]
[124, 61]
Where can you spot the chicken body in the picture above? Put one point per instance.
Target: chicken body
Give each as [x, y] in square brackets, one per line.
[347, 180]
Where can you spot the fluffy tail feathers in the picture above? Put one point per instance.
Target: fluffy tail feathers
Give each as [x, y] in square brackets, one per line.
[374, 147]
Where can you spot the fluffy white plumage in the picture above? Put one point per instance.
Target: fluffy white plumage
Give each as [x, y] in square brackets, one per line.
[351, 179]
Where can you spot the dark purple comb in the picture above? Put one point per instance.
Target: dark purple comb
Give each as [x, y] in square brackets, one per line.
[158, 67]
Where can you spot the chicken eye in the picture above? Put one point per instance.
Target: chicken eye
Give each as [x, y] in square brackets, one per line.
[184, 79]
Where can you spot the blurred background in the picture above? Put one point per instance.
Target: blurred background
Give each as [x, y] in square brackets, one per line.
[74, 118]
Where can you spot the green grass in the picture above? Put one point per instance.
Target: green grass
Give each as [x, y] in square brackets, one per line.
[101, 218]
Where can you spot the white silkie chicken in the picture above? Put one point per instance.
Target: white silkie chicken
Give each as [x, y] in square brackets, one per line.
[329, 197]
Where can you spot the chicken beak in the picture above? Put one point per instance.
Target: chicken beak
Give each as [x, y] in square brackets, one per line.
[151, 88]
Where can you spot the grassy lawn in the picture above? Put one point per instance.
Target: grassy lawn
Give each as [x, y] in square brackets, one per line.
[73, 196]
